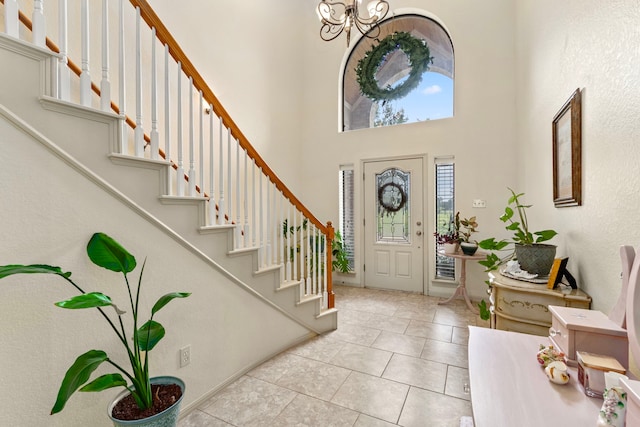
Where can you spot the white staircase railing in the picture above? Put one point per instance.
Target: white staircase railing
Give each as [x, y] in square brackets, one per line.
[154, 79]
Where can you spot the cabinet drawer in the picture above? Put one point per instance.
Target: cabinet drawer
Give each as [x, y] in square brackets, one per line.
[527, 306]
[507, 324]
[559, 334]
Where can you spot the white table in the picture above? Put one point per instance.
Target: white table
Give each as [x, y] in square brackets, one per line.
[509, 388]
[461, 290]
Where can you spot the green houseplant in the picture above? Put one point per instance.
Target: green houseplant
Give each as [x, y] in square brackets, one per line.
[522, 238]
[525, 244]
[467, 227]
[105, 252]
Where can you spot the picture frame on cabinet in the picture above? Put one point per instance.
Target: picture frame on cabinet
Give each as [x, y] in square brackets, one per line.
[567, 153]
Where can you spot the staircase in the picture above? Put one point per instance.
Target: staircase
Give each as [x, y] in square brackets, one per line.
[221, 200]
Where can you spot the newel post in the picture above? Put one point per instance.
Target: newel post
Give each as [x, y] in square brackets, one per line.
[330, 236]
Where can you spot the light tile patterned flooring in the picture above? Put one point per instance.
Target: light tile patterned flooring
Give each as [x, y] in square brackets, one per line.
[397, 358]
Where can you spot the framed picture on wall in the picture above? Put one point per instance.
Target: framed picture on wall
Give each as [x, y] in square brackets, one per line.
[567, 153]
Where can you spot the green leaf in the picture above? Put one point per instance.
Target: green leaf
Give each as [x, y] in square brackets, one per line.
[104, 382]
[492, 245]
[149, 335]
[545, 235]
[107, 253]
[77, 375]
[164, 300]
[484, 310]
[508, 214]
[8, 270]
[513, 226]
[90, 300]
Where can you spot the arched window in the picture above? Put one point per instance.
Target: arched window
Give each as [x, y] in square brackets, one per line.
[380, 86]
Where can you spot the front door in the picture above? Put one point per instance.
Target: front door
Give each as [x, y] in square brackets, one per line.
[393, 224]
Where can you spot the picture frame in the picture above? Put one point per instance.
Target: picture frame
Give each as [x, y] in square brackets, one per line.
[567, 152]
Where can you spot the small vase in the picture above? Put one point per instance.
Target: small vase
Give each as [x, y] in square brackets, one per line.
[469, 248]
[450, 248]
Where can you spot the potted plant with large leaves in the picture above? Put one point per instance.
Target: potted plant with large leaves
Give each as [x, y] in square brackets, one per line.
[147, 401]
[532, 255]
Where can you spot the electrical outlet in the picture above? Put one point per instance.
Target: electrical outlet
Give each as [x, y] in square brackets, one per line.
[185, 356]
[478, 203]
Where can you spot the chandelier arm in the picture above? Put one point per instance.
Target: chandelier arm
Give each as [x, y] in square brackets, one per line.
[330, 32]
[327, 13]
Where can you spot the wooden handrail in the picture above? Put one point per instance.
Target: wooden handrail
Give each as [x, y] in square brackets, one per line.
[165, 37]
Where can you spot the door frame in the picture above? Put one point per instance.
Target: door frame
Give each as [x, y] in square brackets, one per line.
[423, 157]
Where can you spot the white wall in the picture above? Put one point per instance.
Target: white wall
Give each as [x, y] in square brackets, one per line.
[592, 45]
[249, 54]
[47, 215]
[481, 135]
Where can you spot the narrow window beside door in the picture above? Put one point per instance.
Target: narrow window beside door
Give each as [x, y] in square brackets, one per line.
[445, 212]
[347, 224]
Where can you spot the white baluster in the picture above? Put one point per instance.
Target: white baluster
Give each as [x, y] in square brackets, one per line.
[237, 195]
[221, 201]
[39, 29]
[312, 258]
[212, 175]
[229, 195]
[124, 140]
[261, 230]
[308, 282]
[296, 276]
[138, 134]
[11, 18]
[180, 170]
[85, 77]
[167, 111]
[316, 259]
[281, 231]
[154, 136]
[253, 203]
[245, 200]
[266, 231]
[192, 171]
[289, 241]
[105, 84]
[275, 226]
[64, 75]
[323, 284]
[201, 145]
[303, 259]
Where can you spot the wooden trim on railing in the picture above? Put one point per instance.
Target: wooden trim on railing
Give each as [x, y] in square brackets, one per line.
[165, 37]
[329, 267]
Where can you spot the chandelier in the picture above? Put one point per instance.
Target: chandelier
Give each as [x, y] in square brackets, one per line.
[336, 17]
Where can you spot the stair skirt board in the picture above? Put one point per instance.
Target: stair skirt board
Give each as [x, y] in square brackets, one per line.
[324, 324]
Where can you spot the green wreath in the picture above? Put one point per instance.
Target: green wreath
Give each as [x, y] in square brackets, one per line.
[417, 52]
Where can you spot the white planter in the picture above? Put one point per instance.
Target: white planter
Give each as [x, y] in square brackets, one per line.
[166, 418]
[450, 248]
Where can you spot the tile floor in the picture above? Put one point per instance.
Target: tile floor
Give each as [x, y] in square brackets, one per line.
[397, 358]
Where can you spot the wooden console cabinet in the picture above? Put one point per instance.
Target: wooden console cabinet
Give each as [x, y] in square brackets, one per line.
[520, 306]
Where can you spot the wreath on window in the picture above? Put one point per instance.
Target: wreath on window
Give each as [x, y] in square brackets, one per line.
[391, 197]
[417, 53]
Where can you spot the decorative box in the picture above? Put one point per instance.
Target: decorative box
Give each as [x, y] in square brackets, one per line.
[591, 369]
[576, 329]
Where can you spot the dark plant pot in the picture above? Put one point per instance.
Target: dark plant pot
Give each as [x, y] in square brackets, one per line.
[536, 258]
[166, 418]
[468, 248]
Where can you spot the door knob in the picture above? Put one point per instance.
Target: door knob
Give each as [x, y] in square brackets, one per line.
[419, 233]
[419, 223]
